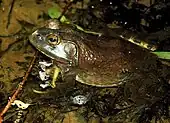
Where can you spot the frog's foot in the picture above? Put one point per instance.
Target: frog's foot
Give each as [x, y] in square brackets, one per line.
[97, 80]
[39, 92]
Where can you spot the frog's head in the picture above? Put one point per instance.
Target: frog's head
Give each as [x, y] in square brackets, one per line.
[52, 44]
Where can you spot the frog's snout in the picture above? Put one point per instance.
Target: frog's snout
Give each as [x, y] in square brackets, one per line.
[35, 37]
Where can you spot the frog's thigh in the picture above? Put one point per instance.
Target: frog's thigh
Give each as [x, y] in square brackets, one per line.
[95, 80]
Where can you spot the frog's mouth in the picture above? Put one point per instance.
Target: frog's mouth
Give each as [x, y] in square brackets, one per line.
[58, 60]
[62, 61]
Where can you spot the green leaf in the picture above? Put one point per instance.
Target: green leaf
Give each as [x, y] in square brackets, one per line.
[54, 12]
[162, 55]
[64, 20]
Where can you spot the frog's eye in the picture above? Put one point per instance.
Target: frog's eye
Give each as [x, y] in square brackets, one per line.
[53, 39]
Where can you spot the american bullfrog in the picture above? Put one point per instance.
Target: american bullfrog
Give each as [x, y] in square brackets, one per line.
[93, 60]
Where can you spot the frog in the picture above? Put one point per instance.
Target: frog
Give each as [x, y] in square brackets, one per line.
[95, 60]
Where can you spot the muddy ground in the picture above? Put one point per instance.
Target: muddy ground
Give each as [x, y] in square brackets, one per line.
[18, 18]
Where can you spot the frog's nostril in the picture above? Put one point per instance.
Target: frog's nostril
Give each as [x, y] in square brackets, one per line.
[39, 37]
[38, 34]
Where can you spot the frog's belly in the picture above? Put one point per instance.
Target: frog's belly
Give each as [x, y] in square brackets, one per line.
[100, 80]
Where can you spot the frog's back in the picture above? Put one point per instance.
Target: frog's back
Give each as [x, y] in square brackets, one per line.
[110, 62]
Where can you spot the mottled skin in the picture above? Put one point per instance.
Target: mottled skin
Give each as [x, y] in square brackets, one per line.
[100, 61]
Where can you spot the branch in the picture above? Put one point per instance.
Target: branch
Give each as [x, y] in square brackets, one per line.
[11, 100]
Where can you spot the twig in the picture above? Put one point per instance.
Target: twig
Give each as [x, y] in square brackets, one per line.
[9, 35]
[10, 12]
[65, 9]
[18, 89]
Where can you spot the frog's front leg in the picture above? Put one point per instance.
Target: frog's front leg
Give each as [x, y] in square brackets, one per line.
[68, 74]
[56, 72]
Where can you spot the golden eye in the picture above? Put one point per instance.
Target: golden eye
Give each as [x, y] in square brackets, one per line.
[53, 39]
